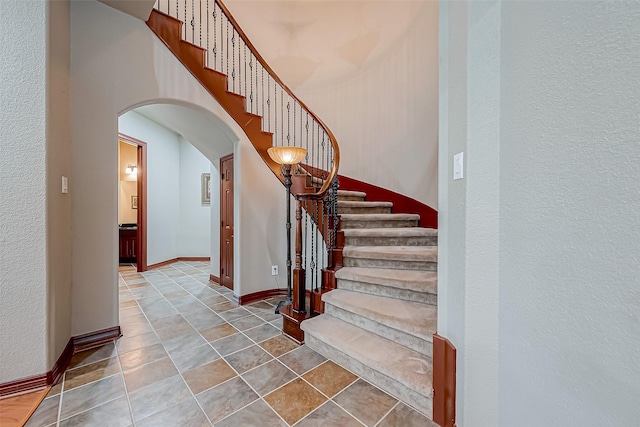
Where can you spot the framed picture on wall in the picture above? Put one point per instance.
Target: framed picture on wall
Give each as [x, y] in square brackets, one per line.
[134, 202]
[206, 188]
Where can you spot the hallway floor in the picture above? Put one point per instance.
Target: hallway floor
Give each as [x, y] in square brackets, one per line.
[190, 356]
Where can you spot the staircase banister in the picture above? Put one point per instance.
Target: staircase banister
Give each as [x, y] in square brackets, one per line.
[334, 143]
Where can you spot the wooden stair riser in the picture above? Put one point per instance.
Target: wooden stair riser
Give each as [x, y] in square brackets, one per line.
[388, 291]
[390, 263]
[420, 402]
[418, 344]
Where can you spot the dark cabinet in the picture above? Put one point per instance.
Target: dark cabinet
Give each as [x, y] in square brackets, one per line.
[128, 242]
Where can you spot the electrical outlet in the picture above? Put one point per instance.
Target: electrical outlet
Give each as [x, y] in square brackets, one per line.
[274, 270]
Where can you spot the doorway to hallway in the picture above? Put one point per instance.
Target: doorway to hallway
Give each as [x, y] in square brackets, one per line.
[133, 235]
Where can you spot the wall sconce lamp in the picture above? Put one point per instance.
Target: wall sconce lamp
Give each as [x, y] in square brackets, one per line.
[132, 170]
[287, 157]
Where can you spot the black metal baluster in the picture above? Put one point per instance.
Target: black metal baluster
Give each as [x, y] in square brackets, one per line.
[193, 22]
[268, 98]
[215, 36]
[251, 79]
[208, 53]
[233, 59]
[227, 49]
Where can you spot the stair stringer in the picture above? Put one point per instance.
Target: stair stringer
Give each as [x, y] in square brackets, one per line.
[169, 29]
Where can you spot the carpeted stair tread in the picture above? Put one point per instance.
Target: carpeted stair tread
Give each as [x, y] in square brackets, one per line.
[395, 361]
[414, 280]
[348, 194]
[391, 232]
[398, 253]
[412, 318]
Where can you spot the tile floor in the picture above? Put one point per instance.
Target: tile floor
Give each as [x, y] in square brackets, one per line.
[190, 356]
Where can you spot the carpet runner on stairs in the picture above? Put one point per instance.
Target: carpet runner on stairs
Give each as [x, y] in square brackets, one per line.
[380, 321]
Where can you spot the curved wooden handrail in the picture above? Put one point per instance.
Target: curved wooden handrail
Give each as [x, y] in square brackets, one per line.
[334, 143]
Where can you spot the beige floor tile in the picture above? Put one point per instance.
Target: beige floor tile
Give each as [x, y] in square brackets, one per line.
[256, 414]
[402, 415]
[331, 414]
[302, 359]
[141, 356]
[330, 378]
[268, 377]
[88, 373]
[223, 400]
[295, 400]
[150, 373]
[248, 358]
[207, 376]
[365, 402]
[279, 345]
[217, 332]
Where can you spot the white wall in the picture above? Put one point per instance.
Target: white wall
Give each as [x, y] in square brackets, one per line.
[59, 257]
[163, 184]
[538, 275]
[194, 232]
[178, 225]
[385, 113]
[124, 66]
[23, 226]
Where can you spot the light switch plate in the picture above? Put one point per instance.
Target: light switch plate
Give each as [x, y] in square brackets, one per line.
[65, 185]
[458, 166]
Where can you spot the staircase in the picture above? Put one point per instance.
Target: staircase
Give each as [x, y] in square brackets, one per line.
[380, 320]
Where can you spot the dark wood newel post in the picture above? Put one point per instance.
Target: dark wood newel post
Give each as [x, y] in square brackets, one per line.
[299, 290]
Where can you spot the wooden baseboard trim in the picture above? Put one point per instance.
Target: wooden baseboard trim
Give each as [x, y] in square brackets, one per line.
[171, 261]
[55, 374]
[23, 385]
[162, 264]
[214, 279]
[76, 344]
[95, 339]
[258, 296]
[444, 382]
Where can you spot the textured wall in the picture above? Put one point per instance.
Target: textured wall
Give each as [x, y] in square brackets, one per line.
[23, 234]
[385, 113]
[369, 69]
[58, 164]
[163, 184]
[569, 214]
[539, 272]
[194, 233]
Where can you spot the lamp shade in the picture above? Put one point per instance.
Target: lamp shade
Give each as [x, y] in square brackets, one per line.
[287, 155]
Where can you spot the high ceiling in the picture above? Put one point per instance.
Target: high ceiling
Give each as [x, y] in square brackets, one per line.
[309, 42]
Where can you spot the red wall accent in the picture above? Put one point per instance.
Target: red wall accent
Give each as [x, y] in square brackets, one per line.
[401, 203]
